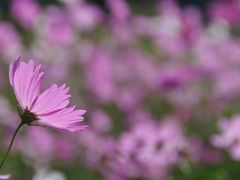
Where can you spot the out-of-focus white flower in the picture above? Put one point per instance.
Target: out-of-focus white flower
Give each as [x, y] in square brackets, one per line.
[43, 174]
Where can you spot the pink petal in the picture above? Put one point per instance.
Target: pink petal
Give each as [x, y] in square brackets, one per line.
[76, 128]
[25, 82]
[12, 69]
[52, 99]
[66, 119]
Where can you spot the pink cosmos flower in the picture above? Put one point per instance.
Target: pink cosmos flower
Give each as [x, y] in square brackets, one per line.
[49, 107]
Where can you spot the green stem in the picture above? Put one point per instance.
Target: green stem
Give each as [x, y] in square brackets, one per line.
[10, 146]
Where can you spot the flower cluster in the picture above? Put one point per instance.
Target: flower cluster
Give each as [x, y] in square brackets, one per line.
[161, 86]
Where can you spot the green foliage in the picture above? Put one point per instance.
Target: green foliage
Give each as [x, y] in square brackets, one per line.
[17, 167]
[229, 111]
[117, 118]
[77, 170]
[158, 106]
[225, 170]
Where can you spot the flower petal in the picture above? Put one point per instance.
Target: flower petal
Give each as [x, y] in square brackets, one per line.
[66, 119]
[25, 82]
[12, 70]
[51, 100]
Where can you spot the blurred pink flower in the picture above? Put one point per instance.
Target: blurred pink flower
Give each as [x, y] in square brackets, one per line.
[100, 121]
[4, 177]
[225, 10]
[143, 154]
[129, 99]
[65, 149]
[119, 9]
[229, 137]
[57, 29]
[173, 76]
[200, 152]
[119, 21]
[33, 146]
[100, 149]
[98, 71]
[26, 18]
[227, 84]
[8, 118]
[191, 24]
[85, 16]
[168, 7]
[48, 108]
[10, 41]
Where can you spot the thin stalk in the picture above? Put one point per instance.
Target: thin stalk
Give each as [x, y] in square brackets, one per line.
[10, 146]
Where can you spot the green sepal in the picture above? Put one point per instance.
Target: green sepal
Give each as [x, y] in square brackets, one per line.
[20, 111]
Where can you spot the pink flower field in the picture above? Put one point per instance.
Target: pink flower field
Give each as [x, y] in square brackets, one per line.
[119, 90]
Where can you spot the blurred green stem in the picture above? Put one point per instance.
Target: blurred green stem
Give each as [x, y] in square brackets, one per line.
[10, 146]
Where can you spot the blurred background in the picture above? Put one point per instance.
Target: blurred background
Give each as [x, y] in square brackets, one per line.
[160, 81]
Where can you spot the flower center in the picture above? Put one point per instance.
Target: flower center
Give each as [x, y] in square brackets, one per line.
[28, 117]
